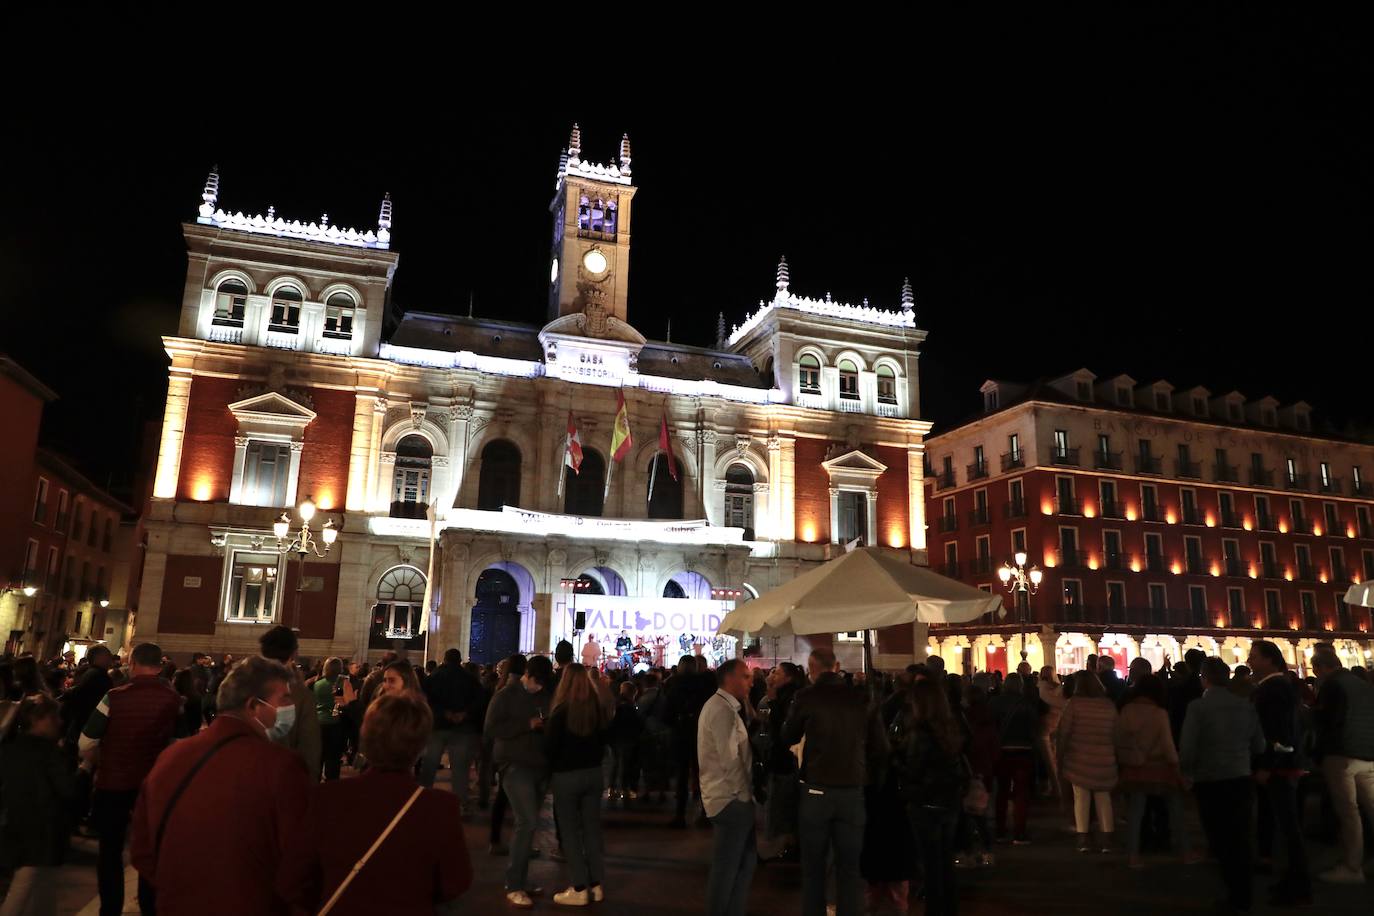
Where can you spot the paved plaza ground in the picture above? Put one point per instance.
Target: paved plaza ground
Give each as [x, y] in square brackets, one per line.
[655, 871]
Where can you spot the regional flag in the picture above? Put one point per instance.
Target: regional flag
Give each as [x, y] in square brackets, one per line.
[665, 445]
[621, 441]
[572, 455]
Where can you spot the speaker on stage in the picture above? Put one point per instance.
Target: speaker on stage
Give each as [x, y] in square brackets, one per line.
[580, 621]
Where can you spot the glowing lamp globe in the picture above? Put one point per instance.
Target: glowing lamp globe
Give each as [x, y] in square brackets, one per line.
[307, 509]
[281, 527]
[1020, 558]
[1035, 576]
[330, 533]
[1004, 574]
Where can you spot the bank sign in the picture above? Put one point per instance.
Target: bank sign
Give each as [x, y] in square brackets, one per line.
[666, 616]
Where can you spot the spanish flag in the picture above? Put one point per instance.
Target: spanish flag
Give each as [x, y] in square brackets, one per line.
[621, 440]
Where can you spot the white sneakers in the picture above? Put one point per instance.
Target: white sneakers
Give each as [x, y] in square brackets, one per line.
[573, 897]
[1342, 874]
[520, 900]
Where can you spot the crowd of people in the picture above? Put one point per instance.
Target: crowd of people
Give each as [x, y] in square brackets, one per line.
[881, 787]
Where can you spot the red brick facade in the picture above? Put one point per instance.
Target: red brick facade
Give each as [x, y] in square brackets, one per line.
[324, 458]
[894, 508]
[207, 457]
[813, 491]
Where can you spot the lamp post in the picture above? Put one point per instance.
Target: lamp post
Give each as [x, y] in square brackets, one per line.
[1021, 581]
[302, 544]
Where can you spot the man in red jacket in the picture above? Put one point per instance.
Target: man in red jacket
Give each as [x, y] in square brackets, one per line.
[227, 796]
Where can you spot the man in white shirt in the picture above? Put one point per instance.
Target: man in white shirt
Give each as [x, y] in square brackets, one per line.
[725, 762]
[591, 652]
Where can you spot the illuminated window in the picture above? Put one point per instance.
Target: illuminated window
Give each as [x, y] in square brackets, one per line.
[739, 499]
[338, 317]
[286, 310]
[230, 300]
[266, 467]
[410, 480]
[849, 380]
[253, 587]
[810, 374]
[887, 385]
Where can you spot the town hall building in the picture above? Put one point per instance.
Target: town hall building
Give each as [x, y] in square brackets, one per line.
[298, 393]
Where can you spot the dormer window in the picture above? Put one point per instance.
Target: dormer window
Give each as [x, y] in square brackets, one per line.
[1085, 391]
[1123, 396]
[1268, 418]
[1199, 407]
[1303, 421]
[887, 385]
[990, 399]
[810, 374]
[849, 380]
[286, 310]
[1161, 400]
[1235, 412]
[338, 317]
[230, 300]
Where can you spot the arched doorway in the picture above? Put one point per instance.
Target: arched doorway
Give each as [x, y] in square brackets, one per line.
[398, 616]
[410, 481]
[584, 492]
[498, 483]
[495, 631]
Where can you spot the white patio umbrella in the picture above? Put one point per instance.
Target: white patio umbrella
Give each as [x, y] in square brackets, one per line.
[1362, 594]
[865, 589]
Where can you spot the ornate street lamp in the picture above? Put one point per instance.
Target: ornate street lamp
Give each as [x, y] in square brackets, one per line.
[303, 544]
[1021, 581]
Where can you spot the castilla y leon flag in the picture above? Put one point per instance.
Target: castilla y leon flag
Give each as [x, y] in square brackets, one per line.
[621, 441]
[665, 445]
[572, 457]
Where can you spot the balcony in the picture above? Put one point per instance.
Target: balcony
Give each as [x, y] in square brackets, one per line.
[1011, 460]
[1113, 560]
[1107, 461]
[1297, 481]
[1112, 509]
[1229, 519]
[1301, 524]
[978, 470]
[221, 334]
[1189, 469]
[980, 566]
[944, 480]
[1195, 566]
[948, 523]
[1365, 529]
[1115, 614]
[1070, 505]
[1305, 572]
[1270, 569]
[1226, 473]
[1065, 456]
[1339, 572]
[1265, 522]
[1149, 464]
[1276, 620]
[1014, 509]
[1361, 488]
[1191, 515]
[1150, 512]
[978, 516]
[1076, 613]
[1262, 477]
[61, 523]
[1235, 568]
[1154, 616]
[850, 404]
[1072, 559]
[950, 569]
[1329, 485]
[888, 409]
[1154, 562]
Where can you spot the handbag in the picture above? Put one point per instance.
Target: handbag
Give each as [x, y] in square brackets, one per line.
[358, 866]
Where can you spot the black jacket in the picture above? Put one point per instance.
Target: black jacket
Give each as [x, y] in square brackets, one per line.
[1276, 701]
[38, 790]
[845, 741]
[569, 751]
[453, 690]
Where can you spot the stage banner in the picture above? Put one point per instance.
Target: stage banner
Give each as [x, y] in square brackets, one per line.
[652, 616]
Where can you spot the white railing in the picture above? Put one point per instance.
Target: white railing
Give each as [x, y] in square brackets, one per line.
[282, 340]
[813, 401]
[887, 410]
[848, 405]
[224, 334]
[337, 346]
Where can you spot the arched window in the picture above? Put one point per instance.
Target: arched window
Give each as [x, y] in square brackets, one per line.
[286, 309]
[849, 380]
[338, 316]
[230, 300]
[666, 499]
[400, 608]
[584, 492]
[590, 585]
[497, 588]
[887, 385]
[739, 499]
[410, 482]
[687, 584]
[499, 481]
[810, 374]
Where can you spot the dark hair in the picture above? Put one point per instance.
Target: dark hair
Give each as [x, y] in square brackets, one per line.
[1270, 653]
[453, 657]
[1086, 684]
[515, 665]
[1214, 670]
[35, 709]
[1014, 685]
[147, 655]
[279, 644]
[687, 664]
[395, 730]
[728, 668]
[540, 668]
[563, 652]
[928, 705]
[1194, 658]
[1151, 688]
[97, 652]
[795, 673]
[824, 657]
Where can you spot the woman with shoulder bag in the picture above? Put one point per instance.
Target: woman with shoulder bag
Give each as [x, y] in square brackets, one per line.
[1148, 763]
[932, 779]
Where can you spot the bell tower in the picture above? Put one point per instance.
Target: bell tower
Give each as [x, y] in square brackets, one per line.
[589, 261]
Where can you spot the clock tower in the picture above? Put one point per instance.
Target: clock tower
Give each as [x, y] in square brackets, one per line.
[589, 264]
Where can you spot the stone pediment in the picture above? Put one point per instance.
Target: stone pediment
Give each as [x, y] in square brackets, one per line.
[580, 324]
[853, 467]
[271, 414]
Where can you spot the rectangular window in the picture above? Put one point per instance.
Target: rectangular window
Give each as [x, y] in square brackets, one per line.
[1367, 561]
[1199, 407]
[1188, 504]
[1263, 520]
[1291, 468]
[1333, 521]
[50, 574]
[1273, 610]
[951, 559]
[31, 562]
[60, 523]
[983, 555]
[1123, 396]
[338, 322]
[1337, 555]
[1111, 549]
[1230, 552]
[265, 469]
[1085, 391]
[1154, 552]
[253, 587]
[990, 399]
[1226, 508]
[1073, 599]
[1116, 602]
[1161, 400]
[230, 301]
[1356, 480]
[1324, 469]
[1197, 606]
[1018, 543]
[1295, 511]
[1235, 607]
[40, 502]
[1014, 447]
[1149, 502]
[853, 520]
[1159, 599]
[1061, 443]
[1192, 554]
[1269, 562]
[1104, 444]
[1303, 554]
[1308, 602]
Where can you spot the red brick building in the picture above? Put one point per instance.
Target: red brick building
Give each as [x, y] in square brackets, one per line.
[1161, 518]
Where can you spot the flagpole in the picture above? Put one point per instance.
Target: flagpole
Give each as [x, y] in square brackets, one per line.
[429, 580]
[563, 470]
[607, 494]
[653, 474]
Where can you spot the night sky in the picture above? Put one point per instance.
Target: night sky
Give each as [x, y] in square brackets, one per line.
[1185, 199]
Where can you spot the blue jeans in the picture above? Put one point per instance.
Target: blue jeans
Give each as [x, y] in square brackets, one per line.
[1135, 817]
[733, 857]
[462, 747]
[831, 819]
[577, 802]
[524, 787]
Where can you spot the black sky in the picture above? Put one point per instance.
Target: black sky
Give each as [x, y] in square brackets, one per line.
[1183, 197]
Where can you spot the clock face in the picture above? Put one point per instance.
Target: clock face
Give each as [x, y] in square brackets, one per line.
[553, 272]
[594, 261]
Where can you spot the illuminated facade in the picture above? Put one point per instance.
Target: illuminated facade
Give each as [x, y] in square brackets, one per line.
[1162, 519]
[290, 377]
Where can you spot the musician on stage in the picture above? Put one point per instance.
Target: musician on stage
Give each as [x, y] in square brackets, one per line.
[624, 647]
[591, 652]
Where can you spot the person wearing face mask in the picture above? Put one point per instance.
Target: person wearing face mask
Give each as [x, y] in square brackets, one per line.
[515, 721]
[131, 725]
[253, 790]
[299, 730]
